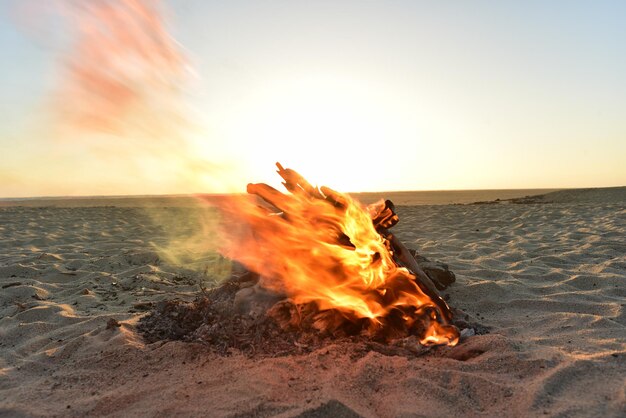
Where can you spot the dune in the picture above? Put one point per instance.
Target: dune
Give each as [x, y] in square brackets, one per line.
[546, 278]
[591, 195]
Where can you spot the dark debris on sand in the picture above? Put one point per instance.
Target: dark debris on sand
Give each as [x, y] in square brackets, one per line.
[214, 319]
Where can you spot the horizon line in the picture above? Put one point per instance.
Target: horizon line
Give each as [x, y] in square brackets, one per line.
[178, 195]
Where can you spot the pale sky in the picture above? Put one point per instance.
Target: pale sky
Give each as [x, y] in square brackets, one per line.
[356, 95]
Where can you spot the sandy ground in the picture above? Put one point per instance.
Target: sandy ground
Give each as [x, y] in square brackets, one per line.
[549, 279]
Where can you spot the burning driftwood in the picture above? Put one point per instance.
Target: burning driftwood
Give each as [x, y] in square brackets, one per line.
[319, 264]
[409, 297]
[320, 247]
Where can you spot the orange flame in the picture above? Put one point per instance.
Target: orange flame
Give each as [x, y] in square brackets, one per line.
[323, 248]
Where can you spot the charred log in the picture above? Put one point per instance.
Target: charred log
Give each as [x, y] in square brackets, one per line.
[438, 272]
[384, 215]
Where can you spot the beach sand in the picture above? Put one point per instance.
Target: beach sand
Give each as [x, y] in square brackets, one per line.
[548, 279]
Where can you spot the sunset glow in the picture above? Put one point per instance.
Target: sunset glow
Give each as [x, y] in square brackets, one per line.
[433, 96]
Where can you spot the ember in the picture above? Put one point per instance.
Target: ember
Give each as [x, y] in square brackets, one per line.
[334, 265]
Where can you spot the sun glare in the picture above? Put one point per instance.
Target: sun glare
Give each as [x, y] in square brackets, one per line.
[335, 130]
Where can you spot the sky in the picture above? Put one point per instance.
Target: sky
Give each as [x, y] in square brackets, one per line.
[355, 95]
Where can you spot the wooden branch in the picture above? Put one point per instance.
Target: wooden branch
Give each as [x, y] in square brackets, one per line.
[334, 198]
[269, 195]
[295, 183]
[421, 278]
[385, 216]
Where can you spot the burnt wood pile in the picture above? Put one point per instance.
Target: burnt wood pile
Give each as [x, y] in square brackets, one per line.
[241, 316]
[247, 314]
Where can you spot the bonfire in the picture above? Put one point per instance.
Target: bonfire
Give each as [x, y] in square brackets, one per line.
[314, 264]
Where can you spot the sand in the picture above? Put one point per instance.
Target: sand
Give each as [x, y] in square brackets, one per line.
[548, 279]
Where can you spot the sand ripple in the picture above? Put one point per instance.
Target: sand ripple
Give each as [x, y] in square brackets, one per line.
[549, 279]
